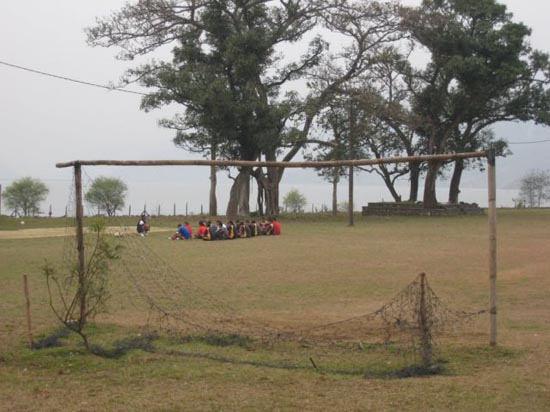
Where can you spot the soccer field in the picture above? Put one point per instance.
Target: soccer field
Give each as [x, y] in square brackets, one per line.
[318, 272]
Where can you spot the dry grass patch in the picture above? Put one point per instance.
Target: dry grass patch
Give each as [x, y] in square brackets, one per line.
[317, 272]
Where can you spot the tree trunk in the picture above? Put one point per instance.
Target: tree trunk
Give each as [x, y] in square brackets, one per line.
[260, 198]
[454, 189]
[213, 204]
[271, 187]
[430, 199]
[335, 196]
[268, 188]
[239, 195]
[414, 179]
[391, 187]
[386, 177]
[273, 206]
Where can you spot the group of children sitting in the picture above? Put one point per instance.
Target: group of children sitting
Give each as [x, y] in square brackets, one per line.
[228, 231]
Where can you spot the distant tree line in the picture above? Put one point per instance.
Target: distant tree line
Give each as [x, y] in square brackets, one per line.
[25, 195]
[107, 194]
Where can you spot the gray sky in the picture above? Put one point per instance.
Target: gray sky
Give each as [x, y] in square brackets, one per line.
[45, 120]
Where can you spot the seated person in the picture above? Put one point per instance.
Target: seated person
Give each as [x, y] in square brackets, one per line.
[231, 231]
[221, 231]
[142, 226]
[253, 228]
[201, 230]
[210, 232]
[182, 233]
[189, 228]
[241, 230]
[261, 228]
[268, 227]
[248, 229]
[276, 227]
[238, 229]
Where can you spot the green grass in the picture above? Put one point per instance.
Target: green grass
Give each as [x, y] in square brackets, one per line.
[319, 271]
[9, 223]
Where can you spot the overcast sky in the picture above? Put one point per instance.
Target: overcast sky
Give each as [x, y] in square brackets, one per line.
[45, 120]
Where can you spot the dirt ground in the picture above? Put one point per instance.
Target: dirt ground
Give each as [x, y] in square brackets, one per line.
[317, 273]
[62, 231]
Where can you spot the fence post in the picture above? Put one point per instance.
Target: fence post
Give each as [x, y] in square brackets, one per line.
[174, 209]
[351, 156]
[80, 240]
[129, 210]
[424, 325]
[491, 172]
[28, 308]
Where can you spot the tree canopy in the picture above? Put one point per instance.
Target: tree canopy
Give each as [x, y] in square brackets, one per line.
[481, 71]
[107, 193]
[230, 74]
[238, 90]
[25, 195]
[535, 188]
[294, 201]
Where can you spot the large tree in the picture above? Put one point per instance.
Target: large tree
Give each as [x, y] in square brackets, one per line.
[107, 193]
[481, 71]
[364, 30]
[335, 128]
[471, 139]
[389, 98]
[225, 70]
[25, 195]
[294, 201]
[229, 73]
[535, 188]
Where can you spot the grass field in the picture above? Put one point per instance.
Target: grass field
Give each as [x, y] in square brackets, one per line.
[319, 271]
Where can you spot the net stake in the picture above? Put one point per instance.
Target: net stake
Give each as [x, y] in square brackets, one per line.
[28, 309]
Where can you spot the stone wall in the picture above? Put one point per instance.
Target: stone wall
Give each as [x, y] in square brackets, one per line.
[417, 209]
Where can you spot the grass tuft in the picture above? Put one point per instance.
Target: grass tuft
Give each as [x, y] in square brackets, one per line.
[52, 340]
[123, 346]
[219, 339]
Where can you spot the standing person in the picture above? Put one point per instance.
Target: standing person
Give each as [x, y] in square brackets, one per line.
[182, 233]
[142, 226]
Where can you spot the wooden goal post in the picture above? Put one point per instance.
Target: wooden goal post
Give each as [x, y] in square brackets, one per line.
[491, 173]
